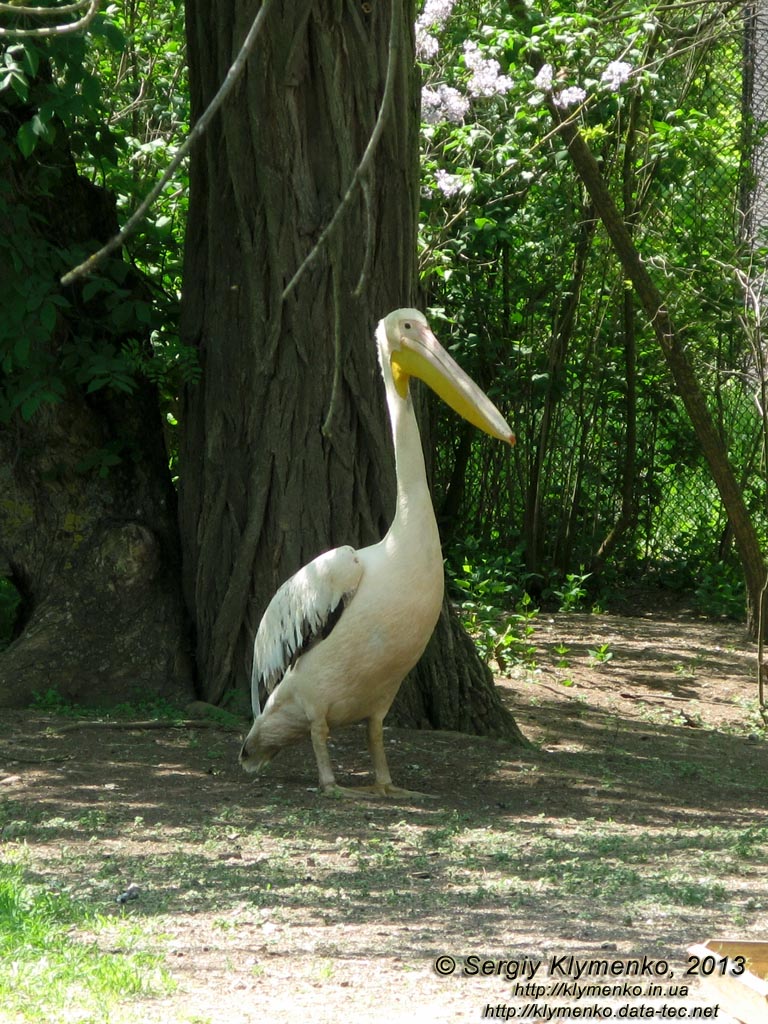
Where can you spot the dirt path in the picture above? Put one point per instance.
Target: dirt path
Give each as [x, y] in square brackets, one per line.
[638, 826]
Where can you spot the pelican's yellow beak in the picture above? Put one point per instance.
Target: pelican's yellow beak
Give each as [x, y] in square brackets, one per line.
[424, 357]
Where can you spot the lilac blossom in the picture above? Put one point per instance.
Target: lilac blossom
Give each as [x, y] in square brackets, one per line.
[449, 184]
[426, 45]
[616, 74]
[485, 79]
[569, 97]
[435, 12]
[543, 79]
[443, 104]
[434, 15]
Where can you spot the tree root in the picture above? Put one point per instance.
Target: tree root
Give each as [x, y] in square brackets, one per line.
[151, 723]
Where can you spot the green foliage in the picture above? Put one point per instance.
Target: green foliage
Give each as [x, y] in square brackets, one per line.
[520, 282]
[493, 606]
[54, 101]
[480, 576]
[502, 639]
[600, 655]
[572, 593]
[720, 591]
[87, 123]
[531, 295]
[52, 701]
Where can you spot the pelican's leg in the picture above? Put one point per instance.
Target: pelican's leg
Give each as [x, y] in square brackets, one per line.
[378, 754]
[383, 785]
[319, 732]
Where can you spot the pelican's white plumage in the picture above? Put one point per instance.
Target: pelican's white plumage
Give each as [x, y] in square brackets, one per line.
[301, 610]
[339, 636]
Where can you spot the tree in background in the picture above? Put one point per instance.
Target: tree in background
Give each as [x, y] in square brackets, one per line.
[88, 530]
[285, 447]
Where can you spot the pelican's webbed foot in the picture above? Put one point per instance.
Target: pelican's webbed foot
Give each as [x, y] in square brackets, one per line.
[374, 791]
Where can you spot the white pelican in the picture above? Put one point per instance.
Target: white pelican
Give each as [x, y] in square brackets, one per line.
[339, 637]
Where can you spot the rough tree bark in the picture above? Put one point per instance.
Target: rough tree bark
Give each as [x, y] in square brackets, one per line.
[93, 554]
[286, 448]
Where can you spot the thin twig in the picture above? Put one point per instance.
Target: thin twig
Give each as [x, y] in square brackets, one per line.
[370, 149]
[369, 234]
[87, 266]
[52, 30]
[337, 319]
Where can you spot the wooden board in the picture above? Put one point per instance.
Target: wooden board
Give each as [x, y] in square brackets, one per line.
[744, 996]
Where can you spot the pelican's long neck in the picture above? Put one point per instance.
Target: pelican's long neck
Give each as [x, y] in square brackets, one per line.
[414, 502]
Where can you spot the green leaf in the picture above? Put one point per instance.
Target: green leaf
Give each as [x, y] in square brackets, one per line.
[48, 316]
[17, 81]
[31, 59]
[143, 312]
[102, 26]
[26, 139]
[91, 288]
[39, 128]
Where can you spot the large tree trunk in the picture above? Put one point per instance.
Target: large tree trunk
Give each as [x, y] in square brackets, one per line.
[87, 517]
[286, 449]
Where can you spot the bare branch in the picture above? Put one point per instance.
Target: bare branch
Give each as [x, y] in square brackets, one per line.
[44, 12]
[51, 30]
[367, 157]
[87, 266]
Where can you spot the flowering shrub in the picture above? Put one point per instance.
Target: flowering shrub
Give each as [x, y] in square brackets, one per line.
[485, 79]
[443, 104]
[466, 87]
[526, 282]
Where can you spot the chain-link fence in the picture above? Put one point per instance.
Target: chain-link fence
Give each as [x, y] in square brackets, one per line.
[684, 153]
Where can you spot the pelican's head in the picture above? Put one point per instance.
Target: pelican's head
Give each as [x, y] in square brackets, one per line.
[258, 748]
[409, 347]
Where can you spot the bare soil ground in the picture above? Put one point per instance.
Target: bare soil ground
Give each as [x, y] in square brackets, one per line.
[637, 825]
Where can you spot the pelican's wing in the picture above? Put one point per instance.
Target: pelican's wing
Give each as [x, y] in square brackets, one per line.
[304, 610]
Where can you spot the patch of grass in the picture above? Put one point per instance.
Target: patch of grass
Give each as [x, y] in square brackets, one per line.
[750, 842]
[599, 865]
[29, 823]
[274, 869]
[53, 702]
[755, 726]
[682, 890]
[50, 971]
